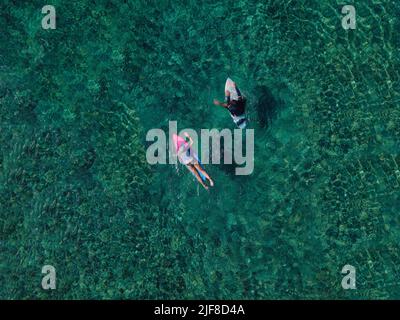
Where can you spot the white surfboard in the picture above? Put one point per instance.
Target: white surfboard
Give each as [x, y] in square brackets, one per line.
[230, 86]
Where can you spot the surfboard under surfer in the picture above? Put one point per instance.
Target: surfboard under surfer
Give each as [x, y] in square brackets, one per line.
[190, 159]
[235, 103]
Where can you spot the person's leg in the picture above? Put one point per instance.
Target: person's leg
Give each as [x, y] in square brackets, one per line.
[196, 174]
[200, 169]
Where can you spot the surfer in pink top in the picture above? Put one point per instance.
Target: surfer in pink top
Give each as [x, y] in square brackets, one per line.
[189, 158]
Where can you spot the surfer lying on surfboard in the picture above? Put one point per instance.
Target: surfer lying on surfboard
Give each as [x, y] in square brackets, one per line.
[235, 103]
[189, 158]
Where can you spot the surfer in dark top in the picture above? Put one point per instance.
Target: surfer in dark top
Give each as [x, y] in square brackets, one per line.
[235, 103]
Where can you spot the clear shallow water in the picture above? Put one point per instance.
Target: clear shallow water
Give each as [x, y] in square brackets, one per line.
[77, 193]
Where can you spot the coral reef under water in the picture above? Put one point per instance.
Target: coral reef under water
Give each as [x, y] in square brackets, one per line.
[77, 193]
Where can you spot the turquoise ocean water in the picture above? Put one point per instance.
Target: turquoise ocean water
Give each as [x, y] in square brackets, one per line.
[77, 193]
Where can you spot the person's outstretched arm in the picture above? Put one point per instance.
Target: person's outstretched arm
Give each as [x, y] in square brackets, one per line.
[187, 145]
[227, 100]
[219, 103]
[190, 143]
